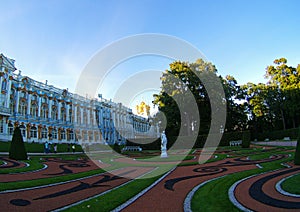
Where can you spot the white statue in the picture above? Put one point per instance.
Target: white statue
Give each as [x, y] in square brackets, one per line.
[164, 142]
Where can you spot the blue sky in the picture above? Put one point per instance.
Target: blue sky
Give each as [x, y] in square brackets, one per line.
[55, 39]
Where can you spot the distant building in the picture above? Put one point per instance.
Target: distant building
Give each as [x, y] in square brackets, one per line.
[44, 112]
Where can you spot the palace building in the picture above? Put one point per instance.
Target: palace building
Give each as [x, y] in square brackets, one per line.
[44, 112]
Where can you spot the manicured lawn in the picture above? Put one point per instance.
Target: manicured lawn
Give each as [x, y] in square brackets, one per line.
[213, 196]
[292, 185]
[34, 164]
[38, 147]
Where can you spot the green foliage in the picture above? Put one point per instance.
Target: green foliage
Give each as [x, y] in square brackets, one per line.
[276, 135]
[289, 184]
[246, 139]
[17, 149]
[297, 153]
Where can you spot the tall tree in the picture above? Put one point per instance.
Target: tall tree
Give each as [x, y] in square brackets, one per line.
[285, 83]
[182, 87]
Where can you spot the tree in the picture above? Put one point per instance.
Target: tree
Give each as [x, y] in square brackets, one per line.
[17, 149]
[285, 83]
[181, 88]
[236, 104]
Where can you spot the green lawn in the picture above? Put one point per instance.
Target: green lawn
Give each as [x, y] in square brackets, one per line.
[213, 196]
[292, 185]
[38, 147]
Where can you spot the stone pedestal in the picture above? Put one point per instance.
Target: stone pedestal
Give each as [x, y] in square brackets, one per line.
[164, 154]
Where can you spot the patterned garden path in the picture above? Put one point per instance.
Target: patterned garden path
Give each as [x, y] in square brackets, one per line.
[52, 167]
[259, 193]
[170, 193]
[51, 197]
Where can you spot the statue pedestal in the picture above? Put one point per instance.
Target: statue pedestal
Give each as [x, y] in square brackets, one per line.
[163, 154]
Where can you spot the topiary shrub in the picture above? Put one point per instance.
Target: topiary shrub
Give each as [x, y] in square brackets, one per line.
[17, 149]
[246, 139]
[297, 153]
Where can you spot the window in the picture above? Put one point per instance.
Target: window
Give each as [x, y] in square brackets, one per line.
[33, 132]
[85, 136]
[44, 111]
[78, 115]
[90, 136]
[54, 133]
[71, 135]
[10, 129]
[62, 135]
[33, 110]
[44, 132]
[22, 107]
[54, 113]
[70, 116]
[22, 128]
[63, 114]
[96, 137]
[2, 122]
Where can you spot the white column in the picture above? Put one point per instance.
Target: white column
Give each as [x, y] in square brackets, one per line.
[81, 114]
[1, 79]
[7, 102]
[74, 113]
[28, 104]
[67, 112]
[17, 101]
[88, 113]
[39, 106]
[59, 111]
[49, 108]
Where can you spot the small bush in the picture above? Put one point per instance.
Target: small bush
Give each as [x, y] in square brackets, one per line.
[17, 149]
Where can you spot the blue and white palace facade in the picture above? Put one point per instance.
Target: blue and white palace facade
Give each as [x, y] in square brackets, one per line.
[44, 112]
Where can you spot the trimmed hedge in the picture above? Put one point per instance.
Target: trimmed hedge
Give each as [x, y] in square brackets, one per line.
[246, 140]
[297, 153]
[276, 135]
[17, 149]
[150, 144]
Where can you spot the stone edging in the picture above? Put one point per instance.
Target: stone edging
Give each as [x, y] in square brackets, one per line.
[283, 192]
[188, 200]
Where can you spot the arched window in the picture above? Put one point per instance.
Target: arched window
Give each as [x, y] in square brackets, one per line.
[44, 111]
[44, 132]
[63, 114]
[70, 115]
[62, 134]
[33, 110]
[54, 133]
[54, 113]
[23, 130]
[78, 115]
[22, 107]
[84, 135]
[71, 135]
[10, 129]
[85, 117]
[90, 136]
[33, 132]
[2, 122]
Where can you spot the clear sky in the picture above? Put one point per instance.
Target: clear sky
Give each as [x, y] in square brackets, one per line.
[54, 40]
